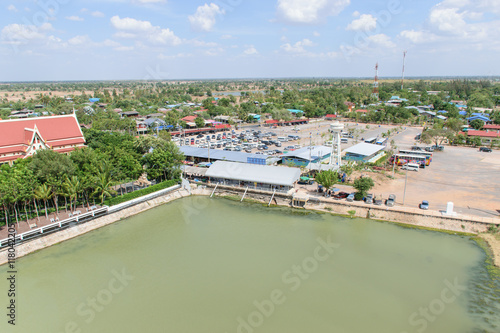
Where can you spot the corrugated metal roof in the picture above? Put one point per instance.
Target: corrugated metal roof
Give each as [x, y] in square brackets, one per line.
[316, 152]
[216, 154]
[364, 149]
[254, 173]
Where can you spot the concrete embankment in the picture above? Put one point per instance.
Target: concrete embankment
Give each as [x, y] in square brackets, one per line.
[80, 229]
[430, 219]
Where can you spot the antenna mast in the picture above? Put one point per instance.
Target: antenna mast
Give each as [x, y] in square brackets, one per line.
[375, 83]
[403, 76]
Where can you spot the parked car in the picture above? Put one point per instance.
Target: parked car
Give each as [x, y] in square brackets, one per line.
[350, 197]
[416, 148]
[424, 205]
[429, 149]
[438, 148]
[411, 167]
[369, 199]
[391, 200]
[289, 148]
[341, 195]
[485, 149]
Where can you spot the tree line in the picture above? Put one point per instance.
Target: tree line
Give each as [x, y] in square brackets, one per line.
[49, 181]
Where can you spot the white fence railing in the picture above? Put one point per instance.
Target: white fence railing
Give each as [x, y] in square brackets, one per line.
[55, 226]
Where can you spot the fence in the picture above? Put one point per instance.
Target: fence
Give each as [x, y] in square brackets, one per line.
[60, 225]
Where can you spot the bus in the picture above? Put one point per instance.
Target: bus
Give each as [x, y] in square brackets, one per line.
[381, 142]
[371, 140]
[418, 153]
[402, 159]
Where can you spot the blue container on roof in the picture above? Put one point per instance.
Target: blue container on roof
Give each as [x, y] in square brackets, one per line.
[94, 100]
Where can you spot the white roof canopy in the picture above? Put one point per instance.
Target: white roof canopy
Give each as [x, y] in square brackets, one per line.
[254, 173]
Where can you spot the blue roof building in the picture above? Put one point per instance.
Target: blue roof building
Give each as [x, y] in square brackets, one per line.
[483, 118]
[295, 111]
[306, 155]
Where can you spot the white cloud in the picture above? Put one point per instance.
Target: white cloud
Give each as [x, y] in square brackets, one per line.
[97, 14]
[79, 40]
[297, 47]
[20, 33]
[418, 37]
[447, 20]
[226, 37]
[382, 40]
[356, 14]
[143, 30]
[366, 22]
[74, 18]
[200, 43]
[12, 8]
[251, 50]
[316, 34]
[309, 11]
[205, 17]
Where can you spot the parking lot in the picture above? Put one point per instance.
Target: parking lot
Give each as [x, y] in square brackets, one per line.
[463, 175]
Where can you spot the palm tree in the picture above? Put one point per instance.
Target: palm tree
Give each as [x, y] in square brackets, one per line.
[71, 188]
[44, 192]
[103, 184]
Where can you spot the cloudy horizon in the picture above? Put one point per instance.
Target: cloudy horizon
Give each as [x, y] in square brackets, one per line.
[75, 40]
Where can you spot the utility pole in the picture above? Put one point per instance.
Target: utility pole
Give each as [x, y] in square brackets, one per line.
[310, 147]
[406, 180]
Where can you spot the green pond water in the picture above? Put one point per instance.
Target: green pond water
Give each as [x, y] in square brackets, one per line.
[220, 266]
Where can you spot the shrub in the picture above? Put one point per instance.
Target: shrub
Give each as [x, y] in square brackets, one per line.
[133, 195]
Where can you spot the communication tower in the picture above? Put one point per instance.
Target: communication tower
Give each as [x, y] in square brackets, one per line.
[375, 83]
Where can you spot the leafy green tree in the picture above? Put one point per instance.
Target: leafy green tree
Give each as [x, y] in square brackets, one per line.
[327, 179]
[47, 164]
[363, 185]
[477, 124]
[199, 122]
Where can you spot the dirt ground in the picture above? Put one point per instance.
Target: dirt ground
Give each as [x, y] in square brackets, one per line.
[462, 175]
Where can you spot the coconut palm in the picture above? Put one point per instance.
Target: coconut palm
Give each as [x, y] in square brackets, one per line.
[71, 188]
[44, 192]
[103, 184]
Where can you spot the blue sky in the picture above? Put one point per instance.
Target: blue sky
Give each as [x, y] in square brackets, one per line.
[43, 40]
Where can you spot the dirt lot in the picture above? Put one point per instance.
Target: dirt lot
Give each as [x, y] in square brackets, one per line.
[462, 175]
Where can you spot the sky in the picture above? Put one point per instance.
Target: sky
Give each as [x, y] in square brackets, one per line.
[52, 40]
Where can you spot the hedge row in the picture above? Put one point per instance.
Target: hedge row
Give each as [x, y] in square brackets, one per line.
[129, 196]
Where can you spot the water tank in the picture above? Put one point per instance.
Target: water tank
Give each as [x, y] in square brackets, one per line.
[336, 127]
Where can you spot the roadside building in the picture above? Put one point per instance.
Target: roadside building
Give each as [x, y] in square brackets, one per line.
[305, 156]
[129, 114]
[487, 137]
[24, 137]
[364, 152]
[257, 177]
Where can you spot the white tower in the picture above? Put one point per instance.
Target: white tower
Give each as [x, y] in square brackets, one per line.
[336, 128]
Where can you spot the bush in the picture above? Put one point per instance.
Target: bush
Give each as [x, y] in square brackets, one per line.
[358, 196]
[133, 195]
